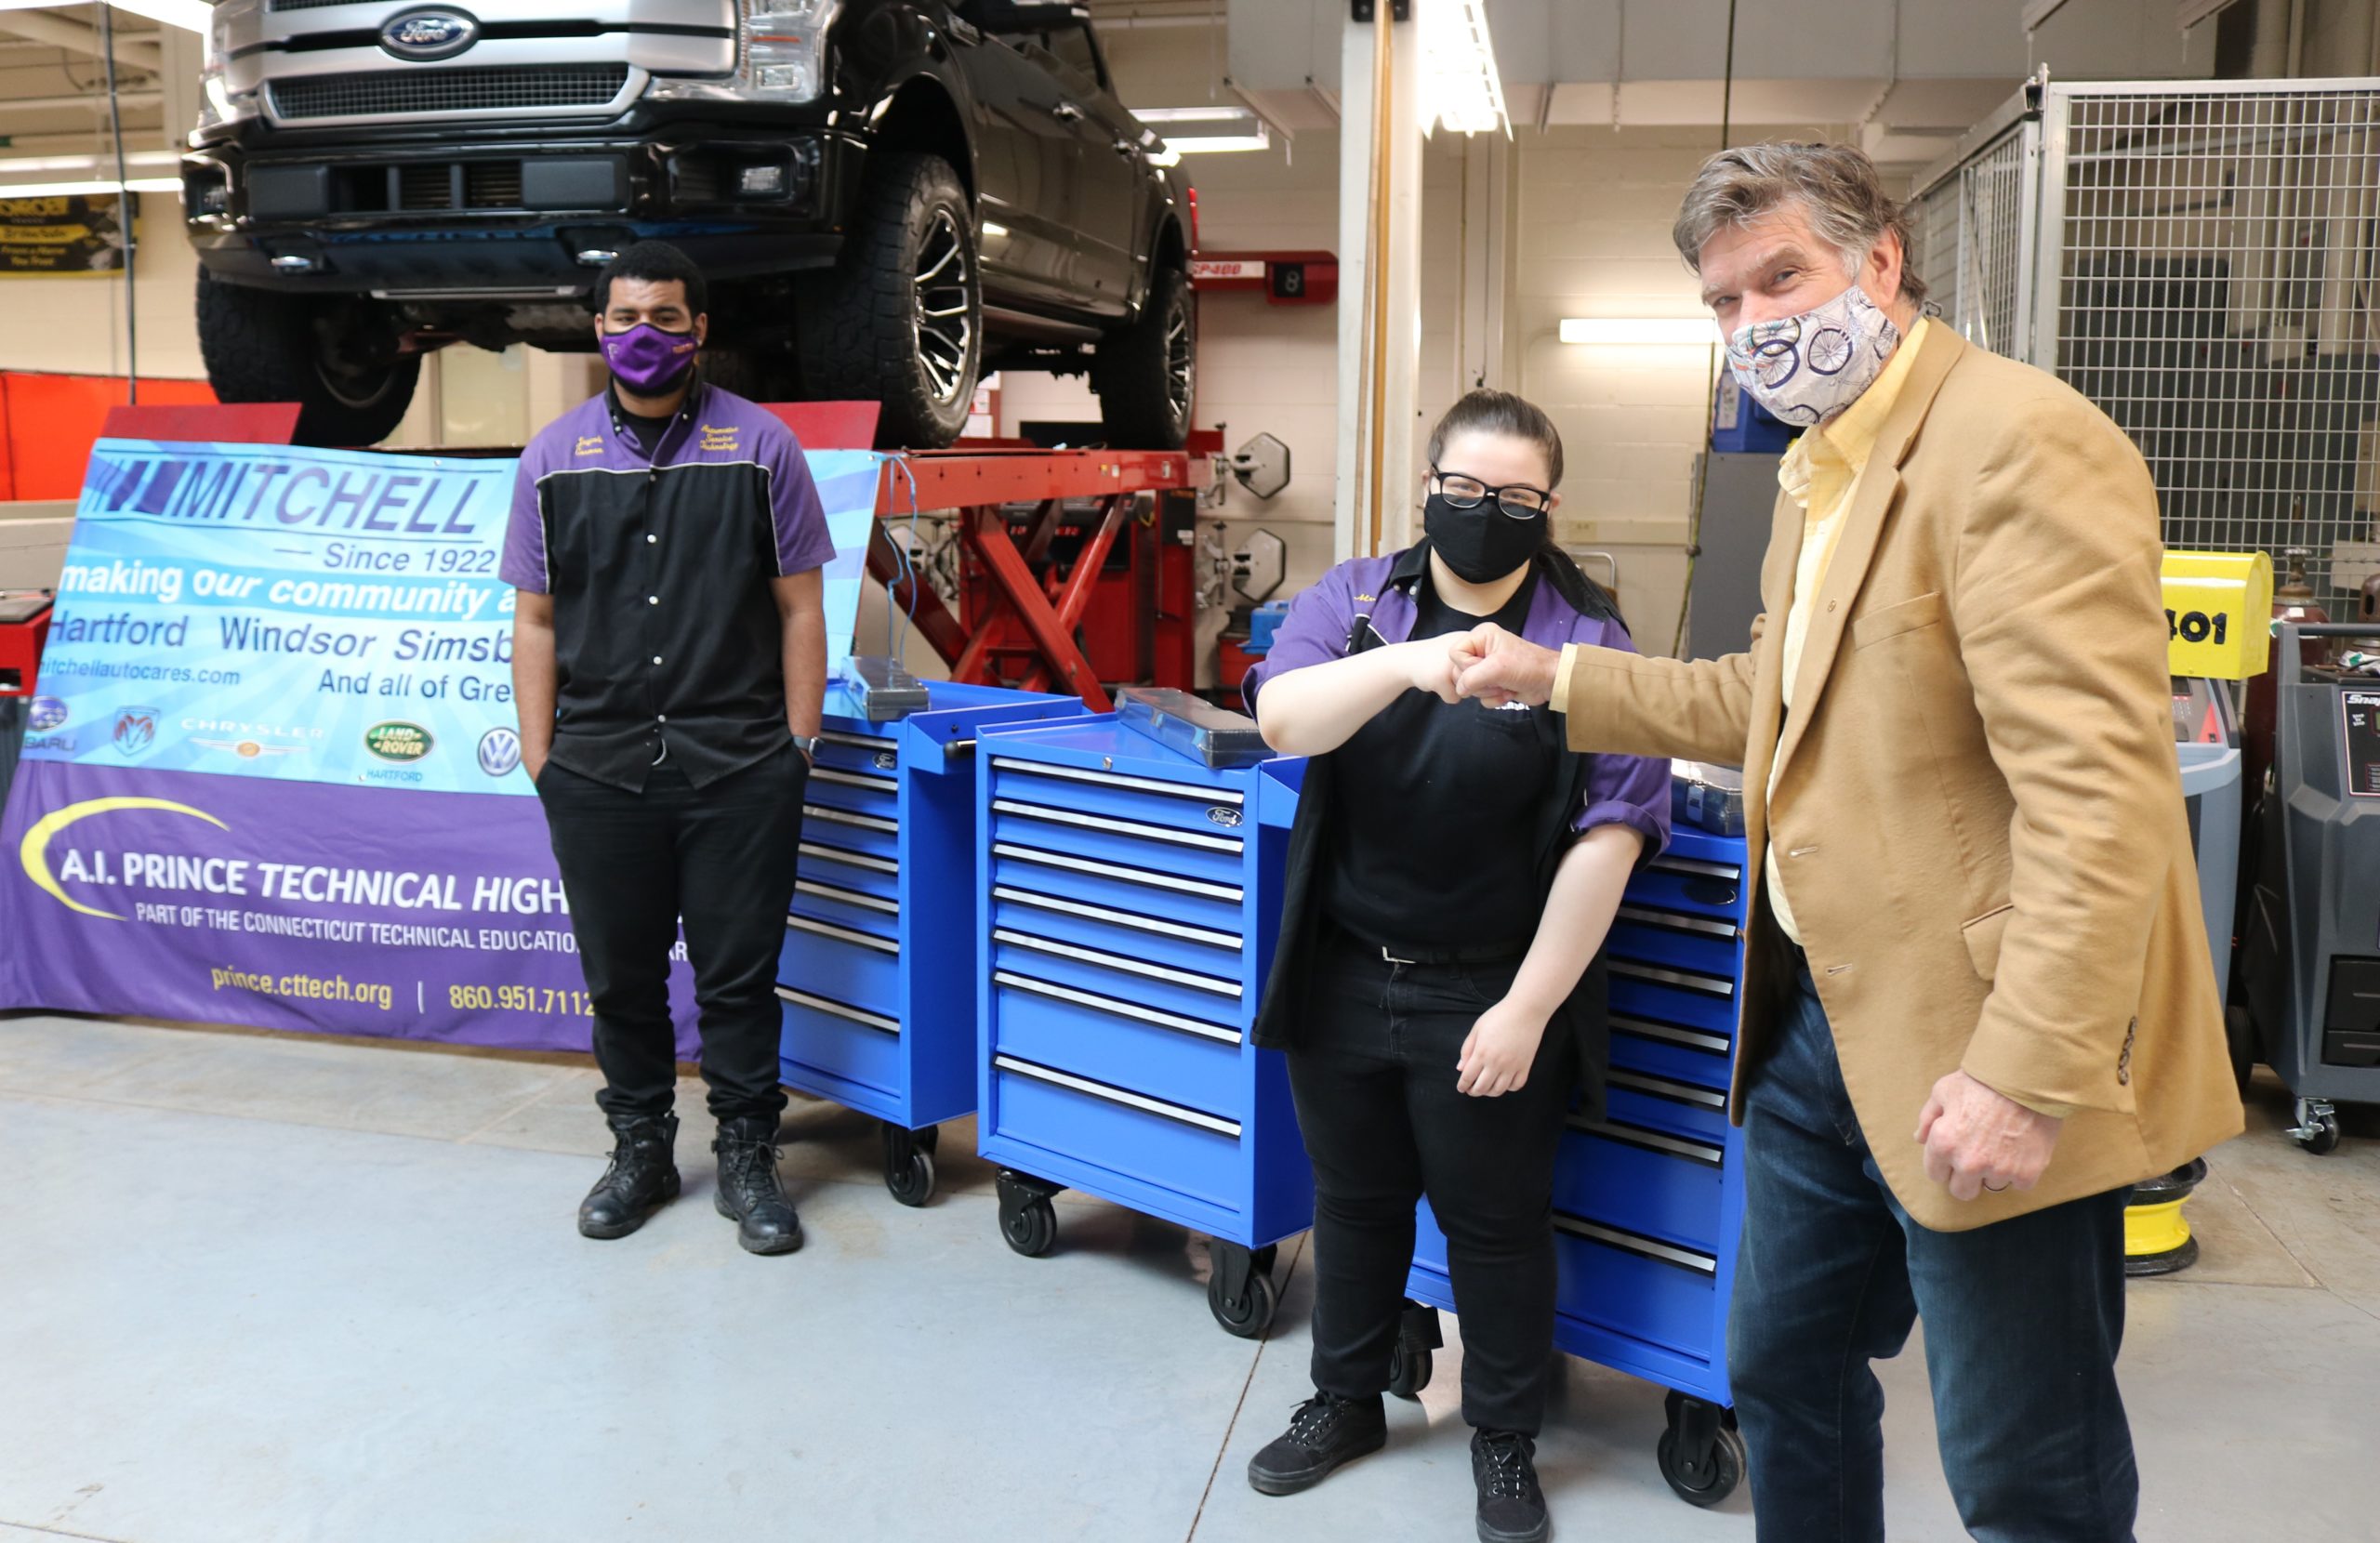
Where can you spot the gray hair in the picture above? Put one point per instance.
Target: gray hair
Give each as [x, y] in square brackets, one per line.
[1836, 186]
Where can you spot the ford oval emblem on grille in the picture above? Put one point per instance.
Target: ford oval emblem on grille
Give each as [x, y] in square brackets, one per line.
[1224, 815]
[439, 34]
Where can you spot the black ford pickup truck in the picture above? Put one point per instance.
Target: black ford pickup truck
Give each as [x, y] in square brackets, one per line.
[891, 197]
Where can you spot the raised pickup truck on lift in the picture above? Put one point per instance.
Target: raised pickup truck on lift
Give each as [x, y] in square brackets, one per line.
[890, 197]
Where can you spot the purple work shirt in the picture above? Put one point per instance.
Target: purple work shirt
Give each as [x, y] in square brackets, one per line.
[1630, 790]
[668, 639]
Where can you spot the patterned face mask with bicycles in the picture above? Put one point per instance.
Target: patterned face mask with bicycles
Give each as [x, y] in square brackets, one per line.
[1806, 369]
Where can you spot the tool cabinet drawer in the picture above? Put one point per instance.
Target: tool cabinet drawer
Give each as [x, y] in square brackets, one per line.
[1112, 1040]
[1205, 905]
[1212, 857]
[855, 909]
[1637, 1286]
[1190, 1151]
[870, 793]
[1679, 882]
[1688, 999]
[841, 1040]
[1157, 940]
[1646, 1180]
[1187, 807]
[1679, 1107]
[1704, 948]
[1694, 1056]
[845, 750]
[868, 834]
[1205, 994]
[856, 871]
[842, 964]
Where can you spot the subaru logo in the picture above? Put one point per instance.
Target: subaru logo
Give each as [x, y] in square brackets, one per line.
[434, 34]
[47, 713]
[499, 752]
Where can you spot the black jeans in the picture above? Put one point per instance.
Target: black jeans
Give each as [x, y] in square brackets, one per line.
[1373, 1074]
[2023, 1319]
[721, 858]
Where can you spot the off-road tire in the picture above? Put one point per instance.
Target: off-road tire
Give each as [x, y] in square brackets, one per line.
[264, 346]
[1146, 373]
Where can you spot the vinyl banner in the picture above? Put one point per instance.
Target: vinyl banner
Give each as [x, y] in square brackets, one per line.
[273, 776]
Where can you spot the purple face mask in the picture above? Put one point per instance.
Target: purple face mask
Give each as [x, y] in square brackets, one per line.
[648, 362]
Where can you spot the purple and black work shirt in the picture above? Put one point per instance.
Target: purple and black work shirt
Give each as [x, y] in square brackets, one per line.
[668, 639]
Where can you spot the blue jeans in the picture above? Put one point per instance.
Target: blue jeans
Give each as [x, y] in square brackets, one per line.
[2023, 1320]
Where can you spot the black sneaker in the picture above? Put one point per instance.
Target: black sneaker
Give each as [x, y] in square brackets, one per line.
[1512, 1509]
[1325, 1431]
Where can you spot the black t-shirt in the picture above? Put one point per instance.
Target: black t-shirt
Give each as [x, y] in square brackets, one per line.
[1433, 842]
[647, 432]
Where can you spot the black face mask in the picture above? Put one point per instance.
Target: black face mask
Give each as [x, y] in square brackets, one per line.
[1481, 545]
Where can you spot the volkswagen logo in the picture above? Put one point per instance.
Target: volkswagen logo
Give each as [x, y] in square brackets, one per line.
[499, 752]
[434, 34]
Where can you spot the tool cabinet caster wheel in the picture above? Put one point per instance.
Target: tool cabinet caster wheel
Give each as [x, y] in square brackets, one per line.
[1031, 1228]
[928, 1140]
[908, 1165]
[2318, 1128]
[1417, 1334]
[1250, 1313]
[1702, 1454]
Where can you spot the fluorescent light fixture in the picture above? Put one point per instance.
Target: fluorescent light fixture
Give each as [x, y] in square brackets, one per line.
[1466, 96]
[71, 189]
[1205, 130]
[189, 14]
[17, 165]
[1639, 329]
[991, 229]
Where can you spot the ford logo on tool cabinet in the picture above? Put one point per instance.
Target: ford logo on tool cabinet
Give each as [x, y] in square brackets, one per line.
[429, 33]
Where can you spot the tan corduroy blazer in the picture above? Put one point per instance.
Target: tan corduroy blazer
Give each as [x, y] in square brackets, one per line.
[1979, 816]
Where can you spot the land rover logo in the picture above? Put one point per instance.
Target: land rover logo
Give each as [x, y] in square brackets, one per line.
[439, 34]
[397, 742]
[1224, 815]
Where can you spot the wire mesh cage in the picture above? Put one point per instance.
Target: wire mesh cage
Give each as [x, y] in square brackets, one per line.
[2200, 260]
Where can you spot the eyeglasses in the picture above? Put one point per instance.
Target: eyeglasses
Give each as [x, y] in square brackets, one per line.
[1517, 500]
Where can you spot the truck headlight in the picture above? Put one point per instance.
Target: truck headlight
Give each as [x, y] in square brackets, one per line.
[780, 56]
[217, 104]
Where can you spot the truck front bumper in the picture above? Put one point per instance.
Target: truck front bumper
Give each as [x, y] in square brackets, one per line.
[501, 216]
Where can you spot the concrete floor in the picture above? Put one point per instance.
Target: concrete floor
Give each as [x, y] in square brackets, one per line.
[264, 1289]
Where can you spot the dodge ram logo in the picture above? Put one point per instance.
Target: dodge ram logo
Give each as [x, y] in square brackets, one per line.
[439, 34]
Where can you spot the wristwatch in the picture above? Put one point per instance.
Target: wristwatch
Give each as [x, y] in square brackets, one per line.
[808, 745]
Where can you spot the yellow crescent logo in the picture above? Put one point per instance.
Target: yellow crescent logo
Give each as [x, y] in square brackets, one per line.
[35, 850]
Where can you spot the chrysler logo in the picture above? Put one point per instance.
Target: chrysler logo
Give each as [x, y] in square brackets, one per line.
[438, 33]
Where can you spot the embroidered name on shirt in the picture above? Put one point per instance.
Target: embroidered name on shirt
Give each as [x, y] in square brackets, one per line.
[590, 444]
[716, 441]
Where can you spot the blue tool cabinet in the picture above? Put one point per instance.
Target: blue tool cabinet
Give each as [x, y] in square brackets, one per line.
[877, 976]
[1128, 897]
[1648, 1201]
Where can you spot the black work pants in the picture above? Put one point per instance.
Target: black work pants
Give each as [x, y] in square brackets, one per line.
[1373, 1074]
[634, 864]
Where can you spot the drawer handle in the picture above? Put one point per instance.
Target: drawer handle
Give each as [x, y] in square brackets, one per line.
[1231, 892]
[1680, 922]
[885, 785]
[845, 817]
[848, 897]
[1661, 1088]
[1693, 1039]
[1697, 868]
[1710, 985]
[1122, 1009]
[1118, 1095]
[1652, 1140]
[849, 859]
[1122, 828]
[858, 742]
[1644, 1247]
[1117, 779]
[1119, 918]
[1190, 978]
[844, 934]
[836, 1010]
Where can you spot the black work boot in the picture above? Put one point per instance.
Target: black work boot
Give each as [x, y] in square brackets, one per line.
[750, 1194]
[642, 1178]
[1326, 1431]
[1512, 1509]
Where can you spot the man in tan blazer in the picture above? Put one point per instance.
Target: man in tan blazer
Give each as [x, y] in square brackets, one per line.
[1978, 1004]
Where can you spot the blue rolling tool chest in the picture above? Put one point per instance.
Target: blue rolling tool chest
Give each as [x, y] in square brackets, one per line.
[1128, 897]
[1648, 1201]
[877, 981]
